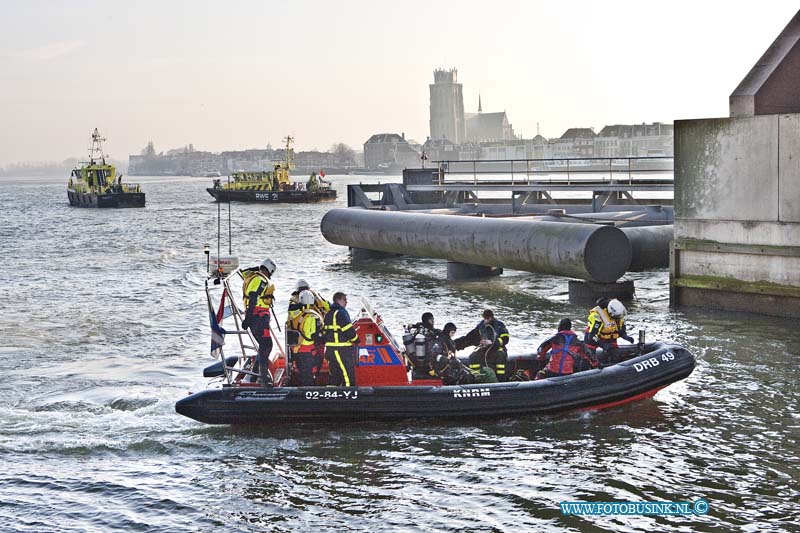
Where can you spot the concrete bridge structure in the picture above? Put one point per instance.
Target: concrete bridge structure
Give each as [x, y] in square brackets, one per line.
[737, 194]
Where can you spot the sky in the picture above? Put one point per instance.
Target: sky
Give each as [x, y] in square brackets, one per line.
[240, 74]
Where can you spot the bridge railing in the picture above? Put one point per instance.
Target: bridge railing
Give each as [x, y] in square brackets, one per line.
[524, 171]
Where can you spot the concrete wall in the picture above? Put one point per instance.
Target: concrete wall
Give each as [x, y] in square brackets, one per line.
[737, 213]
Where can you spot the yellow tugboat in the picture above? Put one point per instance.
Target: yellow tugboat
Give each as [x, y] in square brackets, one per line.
[96, 183]
[274, 186]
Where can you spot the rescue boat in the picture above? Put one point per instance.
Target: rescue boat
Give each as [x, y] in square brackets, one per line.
[272, 186]
[388, 389]
[96, 184]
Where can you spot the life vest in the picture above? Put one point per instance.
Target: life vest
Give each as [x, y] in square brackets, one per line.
[320, 305]
[564, 356]
[264, 289]
[295, 312]
[609, 329]
[310, 324]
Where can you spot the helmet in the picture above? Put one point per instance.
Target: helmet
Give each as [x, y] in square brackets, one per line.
[306, 298]
[269, 266]
[616, 309]
[301, 284]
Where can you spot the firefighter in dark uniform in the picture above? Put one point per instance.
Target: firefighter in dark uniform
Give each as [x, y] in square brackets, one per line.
[258, 294]
[340, 343]
[491, 336]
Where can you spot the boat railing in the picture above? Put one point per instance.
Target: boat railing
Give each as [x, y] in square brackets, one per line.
[369, 312]
[130, 187]
[247, 345]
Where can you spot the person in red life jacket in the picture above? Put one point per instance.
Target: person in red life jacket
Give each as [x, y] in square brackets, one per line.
[567, 354]
[258, 295]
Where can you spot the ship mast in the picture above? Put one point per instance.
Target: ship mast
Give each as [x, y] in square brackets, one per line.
[97, 146]
[289, 154]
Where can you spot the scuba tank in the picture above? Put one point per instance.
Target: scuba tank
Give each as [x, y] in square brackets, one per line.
[408, 342]
[420, 348]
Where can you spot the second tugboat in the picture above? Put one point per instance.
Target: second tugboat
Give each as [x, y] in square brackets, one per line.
[273, 186]
[96, 183]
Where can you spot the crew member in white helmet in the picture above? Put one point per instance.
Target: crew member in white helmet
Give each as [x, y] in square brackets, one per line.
[258, 295]
[606, 325]
[321, 305]
[309, 350]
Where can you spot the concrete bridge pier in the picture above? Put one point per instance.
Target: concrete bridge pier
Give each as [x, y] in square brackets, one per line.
[589, 291]
[737, 194]
[463, 271]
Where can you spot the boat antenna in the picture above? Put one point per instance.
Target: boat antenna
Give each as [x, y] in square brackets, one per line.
[230, 233]
[219, 230]
[97, 146]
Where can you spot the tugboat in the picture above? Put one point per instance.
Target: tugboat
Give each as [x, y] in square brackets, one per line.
[388, 388]
[274, 186]
[96, 183]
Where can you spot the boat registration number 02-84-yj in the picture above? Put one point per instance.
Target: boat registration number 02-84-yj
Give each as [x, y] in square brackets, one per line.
[654, 362]
[331, 395]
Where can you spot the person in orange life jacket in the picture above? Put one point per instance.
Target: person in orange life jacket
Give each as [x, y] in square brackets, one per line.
[340, 343]
[491, 336]
[567, 354]
[258, 295]
[307, 353]
[606, 323]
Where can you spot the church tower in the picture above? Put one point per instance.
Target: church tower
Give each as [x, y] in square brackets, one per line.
[447, 107]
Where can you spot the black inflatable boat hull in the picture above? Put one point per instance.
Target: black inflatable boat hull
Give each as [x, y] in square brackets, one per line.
[631, 380]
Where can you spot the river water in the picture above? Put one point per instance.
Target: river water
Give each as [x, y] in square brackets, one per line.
[105, 326]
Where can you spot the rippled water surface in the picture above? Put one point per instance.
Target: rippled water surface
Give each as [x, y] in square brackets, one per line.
[104, 328]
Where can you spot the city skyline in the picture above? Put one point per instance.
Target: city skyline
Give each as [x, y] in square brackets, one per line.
[248, 73]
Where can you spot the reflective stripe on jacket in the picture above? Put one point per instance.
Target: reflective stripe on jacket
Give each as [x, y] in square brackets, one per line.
[338, 329]
[310, 323]
[321, 306]
[259, 284]
[494, 331]
[601, 324]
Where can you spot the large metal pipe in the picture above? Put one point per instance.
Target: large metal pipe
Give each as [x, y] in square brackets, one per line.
[650, 246]
[583, 251]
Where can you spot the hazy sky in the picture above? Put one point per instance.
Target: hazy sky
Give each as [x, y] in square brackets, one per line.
[239, 74]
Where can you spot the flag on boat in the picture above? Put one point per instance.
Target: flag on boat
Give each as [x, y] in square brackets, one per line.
[224, 311]
[217, 332]
[321, 173]
[217, 335]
